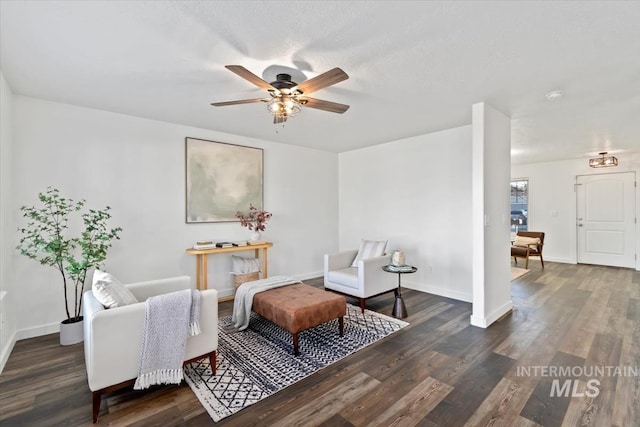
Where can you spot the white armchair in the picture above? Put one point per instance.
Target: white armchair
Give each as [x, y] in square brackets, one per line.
[365, 281]
[113, 337]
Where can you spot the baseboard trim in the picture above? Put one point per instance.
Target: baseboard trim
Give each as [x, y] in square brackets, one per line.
[226, 298]
[6, 351]
[312, 275]
[551, 259]
[485, 322]
[36, 331]
[24, 334]
[436, 290]
[225, 294]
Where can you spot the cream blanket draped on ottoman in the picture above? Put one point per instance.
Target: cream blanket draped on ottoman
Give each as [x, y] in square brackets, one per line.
[244, 297]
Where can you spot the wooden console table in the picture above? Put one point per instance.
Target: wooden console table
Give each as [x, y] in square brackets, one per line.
[201, 259]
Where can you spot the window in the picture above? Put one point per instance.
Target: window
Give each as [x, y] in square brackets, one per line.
[519, 204]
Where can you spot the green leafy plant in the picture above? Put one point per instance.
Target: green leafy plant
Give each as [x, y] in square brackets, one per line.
[44, 239]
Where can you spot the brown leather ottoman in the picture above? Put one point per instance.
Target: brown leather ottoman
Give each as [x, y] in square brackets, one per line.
[299, 307]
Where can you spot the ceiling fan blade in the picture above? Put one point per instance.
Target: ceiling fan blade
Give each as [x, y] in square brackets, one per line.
[319, 104]
[279, 118]
[328, 78]
[248, 75]
[242, 101]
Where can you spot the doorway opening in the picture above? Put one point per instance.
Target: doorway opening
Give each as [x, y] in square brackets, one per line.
[519, 205]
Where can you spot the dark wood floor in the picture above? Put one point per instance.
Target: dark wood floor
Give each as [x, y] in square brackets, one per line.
[439, 371]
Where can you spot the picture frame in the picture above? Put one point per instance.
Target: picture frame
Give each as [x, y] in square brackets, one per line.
[221, 179]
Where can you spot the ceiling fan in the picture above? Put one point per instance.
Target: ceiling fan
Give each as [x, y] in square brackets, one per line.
[287, 97]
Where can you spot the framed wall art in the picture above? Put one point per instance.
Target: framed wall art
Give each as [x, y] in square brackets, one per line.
[221, 179]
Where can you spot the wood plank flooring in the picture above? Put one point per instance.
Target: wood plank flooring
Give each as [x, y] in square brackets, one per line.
[439, 371]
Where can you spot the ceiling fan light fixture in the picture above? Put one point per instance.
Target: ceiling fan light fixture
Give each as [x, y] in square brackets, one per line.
[283, 106]
[286, 95]
[603, 161]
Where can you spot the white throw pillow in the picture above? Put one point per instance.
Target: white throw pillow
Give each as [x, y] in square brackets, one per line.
[110, 292]
[526, 241]
[369, 249]
[242, 265]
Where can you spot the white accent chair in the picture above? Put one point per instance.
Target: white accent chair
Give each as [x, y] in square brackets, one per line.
[364, 281]
[113, 337]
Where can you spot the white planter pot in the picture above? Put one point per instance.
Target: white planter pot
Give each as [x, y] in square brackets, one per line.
[255, 235]
[71, 333]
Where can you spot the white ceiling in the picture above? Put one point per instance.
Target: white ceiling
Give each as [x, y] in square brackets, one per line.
[414, 67]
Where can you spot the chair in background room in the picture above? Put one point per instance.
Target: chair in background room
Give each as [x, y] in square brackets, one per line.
[358, 273]
[528, 244]
[113, 336]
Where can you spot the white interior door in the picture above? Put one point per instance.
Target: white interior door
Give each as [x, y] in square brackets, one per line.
[606, 217]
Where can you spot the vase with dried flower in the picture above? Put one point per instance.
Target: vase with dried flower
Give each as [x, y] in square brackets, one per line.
[255, 221]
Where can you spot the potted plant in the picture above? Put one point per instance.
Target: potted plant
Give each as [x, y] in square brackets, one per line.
[44, 239]
[255, 221]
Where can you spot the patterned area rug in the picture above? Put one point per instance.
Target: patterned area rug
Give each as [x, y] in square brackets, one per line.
[259, 361]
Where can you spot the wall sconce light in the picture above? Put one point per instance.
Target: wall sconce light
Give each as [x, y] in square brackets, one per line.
[603, 161]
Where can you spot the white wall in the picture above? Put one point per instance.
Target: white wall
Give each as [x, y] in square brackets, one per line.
[552, 201]
[490, 248]
[7, 225]
[136, 166]
[416, 193]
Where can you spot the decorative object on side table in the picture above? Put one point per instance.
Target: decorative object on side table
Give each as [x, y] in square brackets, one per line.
[44, 239]
[399, 309]
[255, 221]
[397, 258]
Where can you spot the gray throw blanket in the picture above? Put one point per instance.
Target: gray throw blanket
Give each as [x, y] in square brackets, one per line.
[168, 320]
[244, 297]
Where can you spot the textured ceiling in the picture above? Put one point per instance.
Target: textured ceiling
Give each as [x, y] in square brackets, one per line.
[414, 67]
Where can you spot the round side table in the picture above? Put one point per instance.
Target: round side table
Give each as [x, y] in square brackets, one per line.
[399, 309]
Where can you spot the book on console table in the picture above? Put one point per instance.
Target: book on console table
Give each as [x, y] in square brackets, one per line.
[225, 245]
[201, 245]
[256, 242]
[204, 246]
[211, 244]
